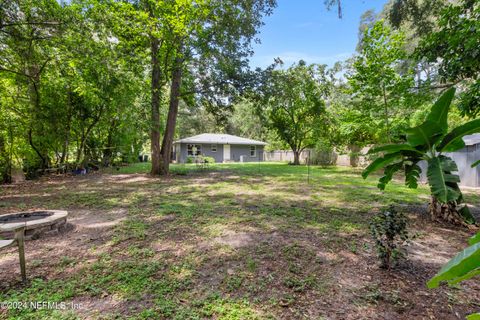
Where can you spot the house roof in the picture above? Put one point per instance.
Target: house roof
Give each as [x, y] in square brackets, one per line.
[472, 139]
[220, 139]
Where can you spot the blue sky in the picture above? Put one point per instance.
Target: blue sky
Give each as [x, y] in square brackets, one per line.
[305, 29]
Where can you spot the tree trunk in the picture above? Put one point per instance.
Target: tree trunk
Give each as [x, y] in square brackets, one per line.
[5, 163]
[108, 151]
[65, 147]
[385, 105]
[66, 140]
[354, 158]
[445, 212]
[166, 152]
[296, 157]
[83, 141]
[34, 97]
[155, 112]
[39, 154]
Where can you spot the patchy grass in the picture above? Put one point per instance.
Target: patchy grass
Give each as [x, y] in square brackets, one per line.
[228, 241]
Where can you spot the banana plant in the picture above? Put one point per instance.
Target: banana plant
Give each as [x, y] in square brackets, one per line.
[429, 142]
[465, 265]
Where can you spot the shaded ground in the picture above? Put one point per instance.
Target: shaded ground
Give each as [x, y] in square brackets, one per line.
[231, 242]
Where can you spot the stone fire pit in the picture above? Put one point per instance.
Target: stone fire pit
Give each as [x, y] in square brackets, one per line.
[36, 223]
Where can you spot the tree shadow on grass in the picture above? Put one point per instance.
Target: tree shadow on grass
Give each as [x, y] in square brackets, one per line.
[210, 245]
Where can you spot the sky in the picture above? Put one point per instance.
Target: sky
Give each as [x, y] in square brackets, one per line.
[305, 29]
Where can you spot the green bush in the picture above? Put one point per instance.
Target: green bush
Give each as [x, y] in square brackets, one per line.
[389, 231]
[323, 153]
[323, 157]
[209, 159]
[200, 159]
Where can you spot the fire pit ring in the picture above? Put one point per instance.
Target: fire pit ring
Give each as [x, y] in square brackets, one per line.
[37, 223]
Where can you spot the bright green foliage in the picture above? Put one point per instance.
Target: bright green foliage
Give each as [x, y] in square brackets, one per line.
[80, 84]
[427, 142]
[465, 265]
[389, 231]
[415, 16]
[69, 96]
[353, 125]
[380, 90]
[293, 101]
[443, 183]
[455, 46]
[474, 239]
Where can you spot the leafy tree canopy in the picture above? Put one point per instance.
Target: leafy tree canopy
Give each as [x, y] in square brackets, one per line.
[454, 46]
[293, 102]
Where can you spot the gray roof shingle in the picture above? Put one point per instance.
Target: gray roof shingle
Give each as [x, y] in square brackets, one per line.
[220, 139]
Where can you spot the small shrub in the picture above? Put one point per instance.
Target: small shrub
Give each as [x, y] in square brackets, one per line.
[200, 159]
[323, 154]
[389, 231]
[209, 159]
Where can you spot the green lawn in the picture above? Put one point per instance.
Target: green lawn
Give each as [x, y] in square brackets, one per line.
[229, 241]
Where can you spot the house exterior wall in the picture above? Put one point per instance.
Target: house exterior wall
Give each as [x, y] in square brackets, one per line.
[236, 151]
[206, 150]
[183, 153]
[177, 152]
[469, 177]
[239, 150]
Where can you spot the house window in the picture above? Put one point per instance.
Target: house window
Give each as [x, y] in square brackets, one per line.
[214, 148]
[253, 151]
[194, 149]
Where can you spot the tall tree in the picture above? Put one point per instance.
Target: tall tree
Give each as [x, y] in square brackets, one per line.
[376, 81]
[294, 104]
[419, 16]
[212, 43]
[197, 49]
[63, 87]
[28, 32]
[454, 50]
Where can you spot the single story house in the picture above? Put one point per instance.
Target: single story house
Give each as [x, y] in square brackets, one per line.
[222, 147]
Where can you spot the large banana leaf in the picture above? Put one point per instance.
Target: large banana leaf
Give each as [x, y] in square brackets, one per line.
[476, 163]
[390, 148]
[474, 239]
[453, 141]
[388, 174]
[426, 134]
[439, 175]
[435, 126]
[465, 212]
[463, 266]
[439, 111]
[381, 162]
[412, 174]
